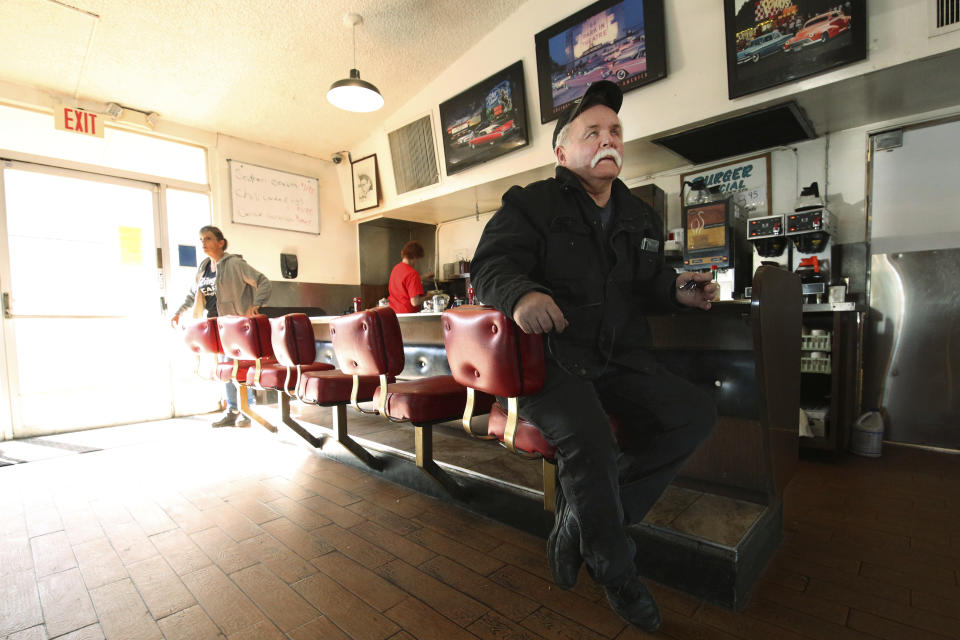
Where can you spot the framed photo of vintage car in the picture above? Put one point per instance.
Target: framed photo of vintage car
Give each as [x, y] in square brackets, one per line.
[617, 40]
[486, 121]
[770, 43]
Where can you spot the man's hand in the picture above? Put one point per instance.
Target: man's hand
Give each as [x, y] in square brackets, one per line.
[252, 311]
[696, 289]
[536, 312]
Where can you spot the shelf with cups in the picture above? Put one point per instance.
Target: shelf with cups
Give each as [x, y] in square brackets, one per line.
[815, 352]
[830, 359]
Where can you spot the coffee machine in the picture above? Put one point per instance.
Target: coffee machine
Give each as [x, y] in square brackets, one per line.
[810, 229]
[715, 238]
[768, 235]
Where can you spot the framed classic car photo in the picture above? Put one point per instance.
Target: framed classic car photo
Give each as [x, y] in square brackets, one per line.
[486, 121]
[617, 40]
[772, 42]
[366, 183]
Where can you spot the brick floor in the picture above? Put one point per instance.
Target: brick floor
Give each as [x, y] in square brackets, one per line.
[234, 534]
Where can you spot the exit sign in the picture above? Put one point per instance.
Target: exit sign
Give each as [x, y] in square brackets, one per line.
[78, 121]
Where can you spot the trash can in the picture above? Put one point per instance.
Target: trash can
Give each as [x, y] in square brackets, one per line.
[866, 438]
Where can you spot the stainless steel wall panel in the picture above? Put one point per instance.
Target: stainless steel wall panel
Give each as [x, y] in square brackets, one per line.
[912, 346]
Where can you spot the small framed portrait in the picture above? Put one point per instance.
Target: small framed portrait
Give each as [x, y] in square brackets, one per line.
[366, 183]
[770, 43]
[486, 121]
[617, 40]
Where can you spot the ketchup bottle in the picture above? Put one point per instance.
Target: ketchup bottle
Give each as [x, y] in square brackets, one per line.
[471, 297]
[357, 304]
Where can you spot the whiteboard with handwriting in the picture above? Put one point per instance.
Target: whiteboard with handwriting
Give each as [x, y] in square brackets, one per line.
[271, 198]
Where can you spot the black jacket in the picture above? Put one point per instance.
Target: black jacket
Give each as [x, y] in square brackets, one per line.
[547, 237]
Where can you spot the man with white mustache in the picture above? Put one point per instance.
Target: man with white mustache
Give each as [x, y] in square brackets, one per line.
[578, 259]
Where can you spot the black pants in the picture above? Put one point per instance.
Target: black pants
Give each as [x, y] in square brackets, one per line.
[663, 418]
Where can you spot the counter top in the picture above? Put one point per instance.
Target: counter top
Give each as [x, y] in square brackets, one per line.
[422, 314]
[415, 328]
[832, 306]
[719, 304]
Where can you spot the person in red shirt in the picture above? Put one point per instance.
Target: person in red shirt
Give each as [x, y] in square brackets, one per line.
[406, 290]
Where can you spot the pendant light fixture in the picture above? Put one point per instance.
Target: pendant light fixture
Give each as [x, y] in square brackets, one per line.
[354, 94]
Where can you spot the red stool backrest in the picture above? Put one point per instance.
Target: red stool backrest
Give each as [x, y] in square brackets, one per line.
[201, 336]
[488, 352]
[245, 338]
[292, 339]
[368, 342]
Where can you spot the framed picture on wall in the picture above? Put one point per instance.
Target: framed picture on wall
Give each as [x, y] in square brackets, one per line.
[617, 40]
[366, 183]
[770, 43]
[486, 121]
[747, 179]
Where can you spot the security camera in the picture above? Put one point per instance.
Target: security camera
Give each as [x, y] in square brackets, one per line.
[337, 158]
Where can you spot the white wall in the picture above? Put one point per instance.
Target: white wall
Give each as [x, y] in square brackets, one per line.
[330, 257]
[694, 90]
[458, 239]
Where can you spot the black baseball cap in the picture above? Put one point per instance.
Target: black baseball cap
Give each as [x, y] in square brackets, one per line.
[601, 92]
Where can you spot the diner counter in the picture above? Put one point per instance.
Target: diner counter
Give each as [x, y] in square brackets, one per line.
[424, 328]
[746, 355]
[416, 328]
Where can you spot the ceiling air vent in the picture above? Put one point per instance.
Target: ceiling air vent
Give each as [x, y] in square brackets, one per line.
[413, 155]
[944, 16]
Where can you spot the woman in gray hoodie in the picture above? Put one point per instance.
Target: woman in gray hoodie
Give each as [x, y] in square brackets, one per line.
[225, 286]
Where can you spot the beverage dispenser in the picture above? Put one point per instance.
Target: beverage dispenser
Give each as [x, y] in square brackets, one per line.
[810, 228]
[768, 235]
[714, 236]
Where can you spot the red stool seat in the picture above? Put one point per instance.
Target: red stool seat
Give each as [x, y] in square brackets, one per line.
[528, 438]
[316, 383]
[488, 352]
[369, 343]
[203, 339]
[274, 376]
[334, 387]
[202, 336]
[434, 399]
[225, 370]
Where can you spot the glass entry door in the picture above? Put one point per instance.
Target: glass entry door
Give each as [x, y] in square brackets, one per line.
[85, 337]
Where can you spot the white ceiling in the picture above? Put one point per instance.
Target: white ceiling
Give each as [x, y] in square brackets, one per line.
[253, 69]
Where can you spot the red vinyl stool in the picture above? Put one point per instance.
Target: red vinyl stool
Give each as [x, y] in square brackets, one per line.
[294, 346]
[291, 338]
[488, 352]
[369, 343]
[246, 341]
[203, 339]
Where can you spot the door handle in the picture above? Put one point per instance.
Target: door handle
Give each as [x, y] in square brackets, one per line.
[7, 313]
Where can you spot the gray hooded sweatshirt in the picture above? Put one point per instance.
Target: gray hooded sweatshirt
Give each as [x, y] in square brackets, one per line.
[239, 287]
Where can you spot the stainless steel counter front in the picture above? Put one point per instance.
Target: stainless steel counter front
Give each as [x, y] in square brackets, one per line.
[416, 328]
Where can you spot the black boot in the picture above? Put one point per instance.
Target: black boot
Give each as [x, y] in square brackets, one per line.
[633, 603]
[228, 420]
[563, 545]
